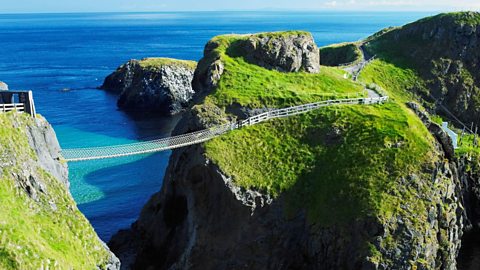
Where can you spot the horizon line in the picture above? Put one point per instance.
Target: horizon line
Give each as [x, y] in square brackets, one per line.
[239, 10]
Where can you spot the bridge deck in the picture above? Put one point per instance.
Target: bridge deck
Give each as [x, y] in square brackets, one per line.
[80, 154]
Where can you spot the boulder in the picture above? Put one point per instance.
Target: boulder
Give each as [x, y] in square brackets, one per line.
[284, 51]
[153, 85]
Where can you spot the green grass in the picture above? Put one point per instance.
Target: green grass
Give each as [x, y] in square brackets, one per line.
[470, 18]
[352, 173]
[339, 54]
[339, 164]
[401, 84]
[299, 158]
[251, 85]
[412, 46]
[281, 34]
[32, 234]
[154, 63]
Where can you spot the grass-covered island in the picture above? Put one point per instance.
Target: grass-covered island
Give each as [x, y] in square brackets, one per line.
[344, 187]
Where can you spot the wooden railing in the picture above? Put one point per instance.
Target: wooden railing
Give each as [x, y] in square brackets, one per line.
[19, 107]
[17, 100]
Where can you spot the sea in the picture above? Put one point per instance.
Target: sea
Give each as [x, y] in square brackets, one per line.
[63, 58]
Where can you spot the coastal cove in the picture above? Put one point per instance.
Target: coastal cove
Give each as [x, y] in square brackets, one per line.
[63, 58]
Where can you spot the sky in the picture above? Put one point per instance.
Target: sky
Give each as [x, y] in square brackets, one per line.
[42, 6]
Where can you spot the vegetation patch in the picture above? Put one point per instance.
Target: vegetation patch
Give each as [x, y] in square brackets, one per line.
[340, 54]
[253, 86]
[346, 158]
[155, 63]
[45, 231]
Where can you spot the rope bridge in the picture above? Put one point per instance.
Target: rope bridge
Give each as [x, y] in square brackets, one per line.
[82, 154]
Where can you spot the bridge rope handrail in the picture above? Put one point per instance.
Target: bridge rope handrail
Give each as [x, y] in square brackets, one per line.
[169, 143]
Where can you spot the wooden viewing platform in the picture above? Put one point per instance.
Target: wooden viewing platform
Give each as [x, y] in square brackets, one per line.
[17, 100]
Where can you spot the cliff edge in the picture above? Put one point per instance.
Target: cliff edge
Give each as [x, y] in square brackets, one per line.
[40, 224]
[347, 187]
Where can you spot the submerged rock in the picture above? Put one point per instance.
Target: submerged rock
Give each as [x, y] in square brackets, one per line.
[153, 85]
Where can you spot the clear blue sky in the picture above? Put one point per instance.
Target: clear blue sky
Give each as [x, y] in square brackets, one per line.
[27, 6]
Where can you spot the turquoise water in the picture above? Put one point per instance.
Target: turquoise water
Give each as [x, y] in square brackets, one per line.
[64, 57]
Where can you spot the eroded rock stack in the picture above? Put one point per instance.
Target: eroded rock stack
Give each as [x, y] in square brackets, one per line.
[153, 85]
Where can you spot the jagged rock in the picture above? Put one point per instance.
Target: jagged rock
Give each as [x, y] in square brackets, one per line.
[44, 141]
[209, 70]
[153, 85]
[3, 86]
[284, 51]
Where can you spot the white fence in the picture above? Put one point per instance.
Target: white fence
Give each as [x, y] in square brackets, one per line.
[20, 107]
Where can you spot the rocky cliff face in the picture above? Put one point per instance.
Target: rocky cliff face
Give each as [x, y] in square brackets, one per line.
[284, 51]
[209, 70]
[153, 85]
[445, 51]
[43, 140]
[202, 220]
[41, 226]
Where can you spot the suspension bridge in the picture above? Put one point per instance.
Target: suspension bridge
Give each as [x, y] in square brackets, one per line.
[169, 143]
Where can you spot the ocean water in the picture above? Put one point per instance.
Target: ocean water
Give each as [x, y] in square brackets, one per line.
[64, 57]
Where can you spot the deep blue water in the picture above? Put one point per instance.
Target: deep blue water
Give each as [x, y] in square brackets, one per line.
[50, 52]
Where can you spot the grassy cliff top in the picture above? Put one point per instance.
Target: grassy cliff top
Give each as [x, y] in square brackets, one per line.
[468, 17]
[47, 233]
[281, 34]
[417, 44]
[347, 158]
[153, 63]
[251, 85]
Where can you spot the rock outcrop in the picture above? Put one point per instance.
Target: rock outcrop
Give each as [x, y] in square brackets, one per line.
[153, 85]
[284, 51]
[445, 51]
[41, 225]
[292, 51]
[3, 86]
[202, 218]
[43, 140]
[209, 70]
